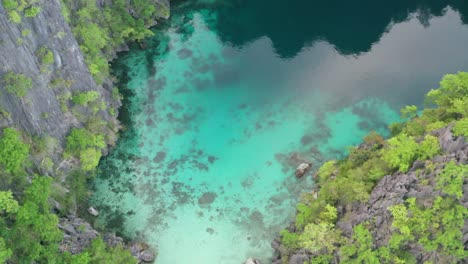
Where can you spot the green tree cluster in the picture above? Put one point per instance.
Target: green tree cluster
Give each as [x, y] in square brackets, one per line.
[15, 8]
[17, 84]
[45, 56]
[100, 31]
[13, 151]
[84, 98]
[29, 232]
[86, 146]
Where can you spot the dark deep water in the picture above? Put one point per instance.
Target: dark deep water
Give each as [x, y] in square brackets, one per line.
[230, 96]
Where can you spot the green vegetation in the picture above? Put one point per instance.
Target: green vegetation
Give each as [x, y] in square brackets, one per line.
[4, 113]
[100, 31]
[29, 232]
[45, 56]
[15, 8]
[434, 224]
[33, 11]
[86, 146]
[437, 227]
[13, 151]
[17, 84]
[450, 180]
[461, 128]
[85, 98]
[25, 32]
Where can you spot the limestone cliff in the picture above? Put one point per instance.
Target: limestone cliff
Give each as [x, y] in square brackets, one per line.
[43, 72]
[39, 112]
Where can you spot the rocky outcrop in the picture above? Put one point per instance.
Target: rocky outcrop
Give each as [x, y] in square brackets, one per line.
[78, 235]
[252, 261]
[393, 190]
[302, 169]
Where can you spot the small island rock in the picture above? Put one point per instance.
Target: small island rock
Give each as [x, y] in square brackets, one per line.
[302, 169]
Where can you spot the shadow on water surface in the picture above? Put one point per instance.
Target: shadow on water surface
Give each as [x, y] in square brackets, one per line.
[292, 25]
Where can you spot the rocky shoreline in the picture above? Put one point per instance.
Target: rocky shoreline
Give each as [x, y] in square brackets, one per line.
[78, 235]
[392, 190]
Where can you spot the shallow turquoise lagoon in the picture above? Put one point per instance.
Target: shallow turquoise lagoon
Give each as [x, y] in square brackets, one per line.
[215, 128]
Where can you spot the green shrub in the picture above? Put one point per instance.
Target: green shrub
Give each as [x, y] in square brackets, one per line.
[327, 169]
[13, 151]
[45, 56]
[8, 204]
[25, 32]
[450, 180]
[89, 159]
[100, 252]
[317, 237]
[5, 253]
[34, 236]
[81, 139]
[14, 17]
[409, 111]
[4, 113]
[86, 146]
[303, 215]
[401, 152]
[461, 128]
[439, 226]
[17, 84]
[429, 147]
[451, 95]
[10, 4]
[289, 240]
[33, 11]
[84, 98]
[360, 250]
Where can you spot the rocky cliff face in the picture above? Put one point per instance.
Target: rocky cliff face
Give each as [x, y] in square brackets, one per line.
[47, 108]
[39, 112]
[392, 190]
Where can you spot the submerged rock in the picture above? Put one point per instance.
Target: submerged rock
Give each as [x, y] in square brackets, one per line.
[302, 169]
[207, 198]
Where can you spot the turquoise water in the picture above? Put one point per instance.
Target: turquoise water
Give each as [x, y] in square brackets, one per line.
[218, 118]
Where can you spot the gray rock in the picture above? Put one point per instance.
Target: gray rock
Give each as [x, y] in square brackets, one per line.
[252, 261]
[93, 211]
[147, 256]
[299, 258]
[302, 169]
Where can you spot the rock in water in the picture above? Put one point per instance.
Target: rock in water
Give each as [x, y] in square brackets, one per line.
[147, 256]
[252, 261]
[93, 211]
[302, 169]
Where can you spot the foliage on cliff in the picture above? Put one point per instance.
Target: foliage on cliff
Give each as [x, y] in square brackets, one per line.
[101, 30]
[29, 232]
[433, 225]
